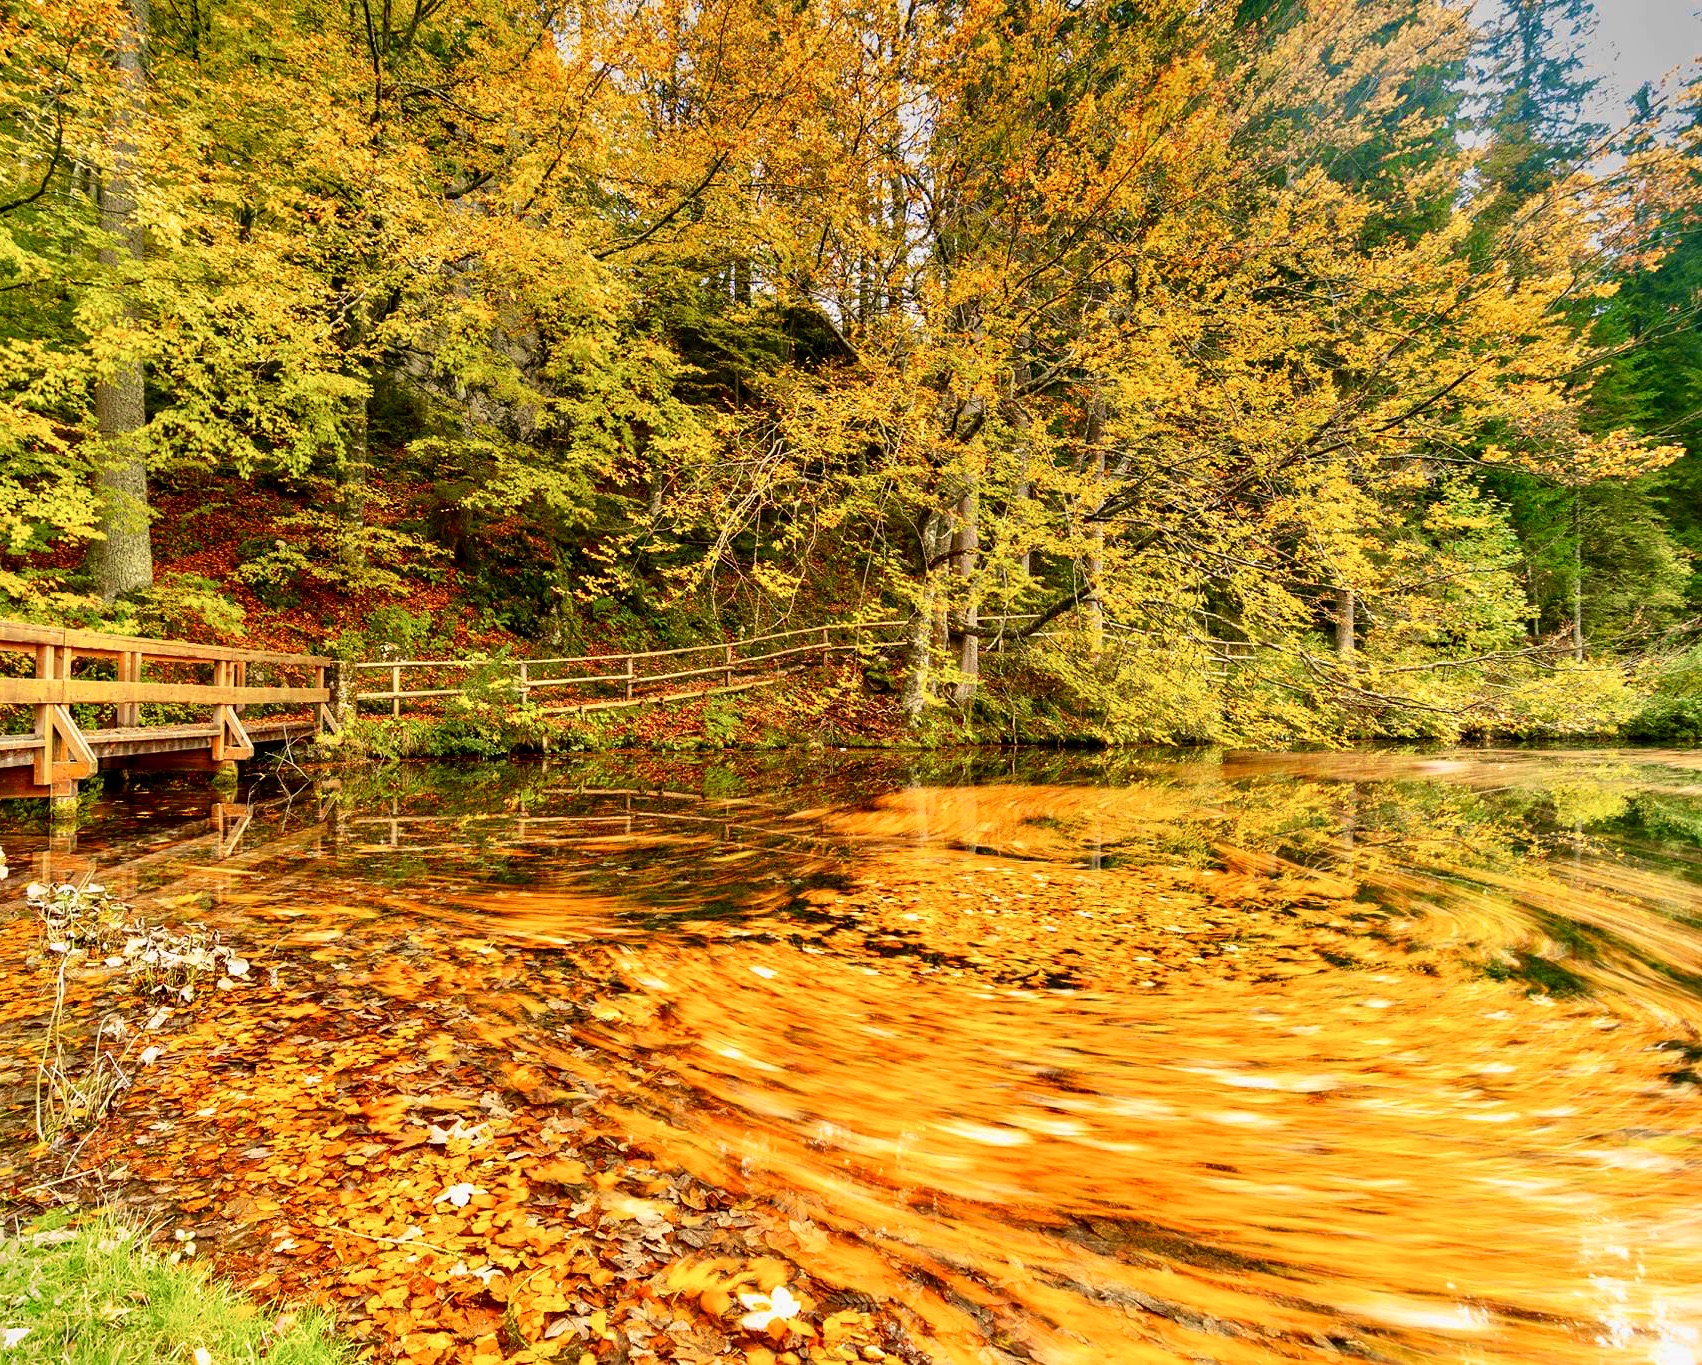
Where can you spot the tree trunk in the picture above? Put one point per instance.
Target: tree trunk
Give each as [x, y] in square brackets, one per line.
[917, 678]
[1096, 533]
[1345, 604]
[1024, 489]
[1577, 580]
[969, 645]
[124, 560]
[351, 488]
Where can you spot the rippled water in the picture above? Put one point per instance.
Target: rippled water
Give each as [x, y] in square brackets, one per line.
[1079, 1059]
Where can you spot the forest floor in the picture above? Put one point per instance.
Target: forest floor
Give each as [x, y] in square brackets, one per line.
[208, 529]
[452, 1195]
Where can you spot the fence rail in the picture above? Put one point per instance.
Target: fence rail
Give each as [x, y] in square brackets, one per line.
[71, 667]
[611, 681]
[620, 680]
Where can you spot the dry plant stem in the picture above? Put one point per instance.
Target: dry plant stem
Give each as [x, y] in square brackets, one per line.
[50, 1066]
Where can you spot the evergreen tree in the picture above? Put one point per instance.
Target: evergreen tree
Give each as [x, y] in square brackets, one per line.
[1583, 546]
[1654, 380]
[1532, 93]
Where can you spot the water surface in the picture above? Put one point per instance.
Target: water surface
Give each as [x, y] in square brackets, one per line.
[1064, 1059]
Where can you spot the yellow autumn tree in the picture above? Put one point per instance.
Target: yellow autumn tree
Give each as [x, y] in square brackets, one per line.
[1126, 357]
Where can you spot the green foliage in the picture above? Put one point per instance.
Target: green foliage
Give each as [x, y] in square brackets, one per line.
[180, 605]
[404, 632]
[1571, 700]
[1668, 720]
[722, 723]
[93, 1293]
[329, 549]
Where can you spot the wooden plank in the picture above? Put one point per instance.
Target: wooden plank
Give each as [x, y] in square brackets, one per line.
[124, 734]
[630, 678]
[110, 744]
[19, 780]
[68, 691]
[123, 748]
[425, 663]
[79, 760]
[585, 680]
[277, 731]
[714, 670]
[192, 757]
[814, 632]
[22, 635]
[129, 670]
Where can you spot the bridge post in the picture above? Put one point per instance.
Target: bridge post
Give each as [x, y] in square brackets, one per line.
[44, 721]
[224, 767]
[128, 713]
[51, 662]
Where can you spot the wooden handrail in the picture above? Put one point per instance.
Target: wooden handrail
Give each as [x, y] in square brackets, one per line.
[67, 691]
[625, 672]
[630, 678]
[23, 637]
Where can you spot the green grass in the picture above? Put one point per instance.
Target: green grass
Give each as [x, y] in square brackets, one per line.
[95, 1294]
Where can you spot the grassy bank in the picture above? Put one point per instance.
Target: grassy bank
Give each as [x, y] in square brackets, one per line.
[94, 1293]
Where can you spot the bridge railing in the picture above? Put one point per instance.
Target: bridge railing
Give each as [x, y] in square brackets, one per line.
[205, 693]
[596, 682]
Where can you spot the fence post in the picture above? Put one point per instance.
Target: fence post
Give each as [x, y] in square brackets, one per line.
[44, 720]
[221, 678]
[729, 663]
[128, 713]
[395, 691]
[630, 675]
[824, 647]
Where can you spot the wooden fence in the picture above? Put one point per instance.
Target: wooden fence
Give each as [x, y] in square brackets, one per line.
[597, 682]
[117, 676]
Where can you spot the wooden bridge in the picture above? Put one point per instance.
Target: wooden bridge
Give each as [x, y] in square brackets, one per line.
[97, 702]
